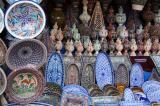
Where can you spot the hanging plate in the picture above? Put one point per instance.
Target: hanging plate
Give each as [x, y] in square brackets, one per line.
[136, 76]
[13, 1]
[29, 52]
[55, 69]
[3, 50]
[154, 96]
[122, 75]
[104, 70]
[25, 19]
[128, 95]
[1, 20]
[3, 81]
[24, 86]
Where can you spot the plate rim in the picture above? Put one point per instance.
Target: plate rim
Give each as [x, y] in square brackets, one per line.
[5, 81]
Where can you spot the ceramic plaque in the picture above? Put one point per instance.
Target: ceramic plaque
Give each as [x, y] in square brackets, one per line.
[136, 75]
[1, 20]
[13, 1]
[3, 81]
[24, 86]
[55, 69]
[25, 19]
[104, 70]
[30, 52]
[122, 75]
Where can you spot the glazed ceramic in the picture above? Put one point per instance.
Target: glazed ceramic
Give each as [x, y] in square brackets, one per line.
[55, 69]
[156, 59]
[140, 96]
[133, 103]
[14, 1]
[151, 88]
[26, 53]
[25, 19]
[154, 96]
[129, 95]
[138, 4]
[3, 81]
[136, 75]
[1, 20]
[148, 83]
[3, 50]
[24, 85]
[103, 70]
[31, 104]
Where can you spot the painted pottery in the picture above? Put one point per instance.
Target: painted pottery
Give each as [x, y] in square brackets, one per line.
[104, 70]
[138, 4]
[119, 47]
[128, 95]
[154, 96]
[126, 45]
[79, 48]
[90, 49]
[69, 48]
[147, 47]
[1, 20]
[3, 50]
[55, 69]
[136, 75]
[97, 47]
[157, 17]
[14, 1]
[133, 103]
[103, 33]
[133, 47]
[30, 52]
[24, 85]
[120, 16]
[156, 59]
[31, 104]
[25, 19]
[3, 81]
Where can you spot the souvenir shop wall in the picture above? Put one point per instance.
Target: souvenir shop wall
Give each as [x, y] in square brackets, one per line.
[79, 53]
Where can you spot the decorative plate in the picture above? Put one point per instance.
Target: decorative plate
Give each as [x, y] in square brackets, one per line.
[104, 70]
[55, 69]
[25, 19]
[29, 52]
[141, 97]
[3, 81]
[25, 86]
[31, 104]
[154, 96]
[1, 20]
[128, 95]
[13, 1]
[156, 60]
[151, 88]
[3, 50]
[74, 89]
[122, 75]
[133, 103]
[136, 76]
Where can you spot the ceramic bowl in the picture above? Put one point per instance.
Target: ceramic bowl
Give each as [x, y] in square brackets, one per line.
[26, 53]
[3, 50]
[25, 19]
[14, 1]
[24, 85]
[1, 20]
[3, 81]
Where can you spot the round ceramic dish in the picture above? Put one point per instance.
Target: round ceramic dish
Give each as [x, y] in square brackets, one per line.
[3, 50]
[13, 1]
[3, 81]
[1, 20]
[25, 86]
[30, 52]
[25, 19]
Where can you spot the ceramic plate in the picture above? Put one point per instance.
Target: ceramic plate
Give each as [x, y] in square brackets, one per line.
[154, 96]
[30, 52]
[140, 96]
[3, 81]
[3, 50]
[55, 69]
[136, 76]
[24, 86]
[156, 60]
[13, 1]
[25, 19]
[74, 88]
[1, 20]
[31, 104]
[133, 103]
[122, 75]
[104, 70]
[128, 95]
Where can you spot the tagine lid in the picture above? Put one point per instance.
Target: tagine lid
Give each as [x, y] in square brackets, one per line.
[24, 85]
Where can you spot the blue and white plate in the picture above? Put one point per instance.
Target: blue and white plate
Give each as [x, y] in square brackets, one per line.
[13, 1]
[55, 69]
[140, 96]
[104, 70]
[1, 20]
[75, 88]
[136, 76]
[128, 95]
[154, 96]
[133, 103]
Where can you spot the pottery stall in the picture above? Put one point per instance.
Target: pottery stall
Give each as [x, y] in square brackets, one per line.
[79, 53]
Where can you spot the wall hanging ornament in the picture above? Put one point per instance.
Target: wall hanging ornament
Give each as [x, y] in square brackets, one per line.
[30, 52]
[25, 19]
[24, 85]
